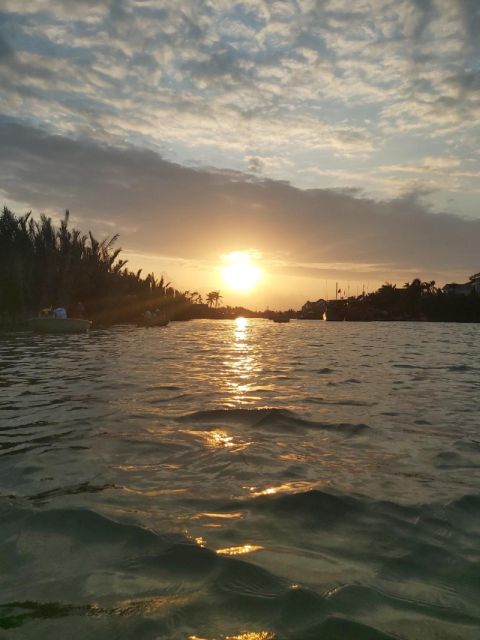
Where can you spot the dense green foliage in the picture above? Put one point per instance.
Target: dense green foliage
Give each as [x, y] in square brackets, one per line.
[44, 265]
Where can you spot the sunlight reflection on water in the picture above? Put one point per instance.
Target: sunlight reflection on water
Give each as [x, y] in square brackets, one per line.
[241, 367]
[209, 467]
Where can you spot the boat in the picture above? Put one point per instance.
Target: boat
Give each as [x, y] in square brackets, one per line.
[153, 322]
[59, 325]
[281, 319]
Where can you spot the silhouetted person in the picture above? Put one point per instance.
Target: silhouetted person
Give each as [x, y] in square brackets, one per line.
[60, 312]
[79, 310]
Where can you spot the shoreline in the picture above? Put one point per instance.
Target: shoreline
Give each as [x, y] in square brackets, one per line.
[22, 327]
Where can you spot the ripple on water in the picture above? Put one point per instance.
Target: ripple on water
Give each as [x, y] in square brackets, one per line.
[220, 481]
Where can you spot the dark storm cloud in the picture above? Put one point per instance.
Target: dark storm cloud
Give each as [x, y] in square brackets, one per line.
[167, 208]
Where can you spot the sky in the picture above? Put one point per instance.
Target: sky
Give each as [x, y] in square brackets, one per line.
[331, 140]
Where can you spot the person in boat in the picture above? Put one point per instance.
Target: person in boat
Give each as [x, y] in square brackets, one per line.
[60, 313]
[147, 315]
[47, 312]
[79, 310]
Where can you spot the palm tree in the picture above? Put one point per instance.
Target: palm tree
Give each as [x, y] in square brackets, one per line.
[210, 298]
[213, 298]
[43, 264]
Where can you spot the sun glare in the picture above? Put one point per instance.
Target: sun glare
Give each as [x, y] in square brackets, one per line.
[240, 273]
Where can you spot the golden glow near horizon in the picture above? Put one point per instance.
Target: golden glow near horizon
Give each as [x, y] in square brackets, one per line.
[239, 272]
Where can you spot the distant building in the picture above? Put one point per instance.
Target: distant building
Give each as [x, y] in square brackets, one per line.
[313, 310]
[473, 286]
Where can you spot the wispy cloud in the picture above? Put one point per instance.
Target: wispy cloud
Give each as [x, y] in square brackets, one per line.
[253, 78]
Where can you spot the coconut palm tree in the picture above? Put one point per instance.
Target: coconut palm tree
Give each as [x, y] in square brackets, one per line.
[213, 298]
[43, 264]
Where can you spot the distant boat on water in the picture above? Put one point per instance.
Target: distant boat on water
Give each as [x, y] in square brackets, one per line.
[281, 319]
[153, 322]
[59, 325]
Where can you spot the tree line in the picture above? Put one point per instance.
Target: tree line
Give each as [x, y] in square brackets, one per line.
[416, 300]
[45, 265]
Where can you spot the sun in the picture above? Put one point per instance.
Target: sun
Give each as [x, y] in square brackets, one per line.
[240, 273]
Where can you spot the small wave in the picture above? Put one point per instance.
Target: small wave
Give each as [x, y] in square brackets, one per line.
[159, 401]
[165, 387]
[82, 487]
[245, 579]
[35, 442]
[460, 368]
[181, 560]
[453, 460]
[26, 425]
[467, 507]
[468, 445]
[344, 403]
[407, 366]
[313, 505]
[248, 417]
[337, 628]
[87, 526]
[15, 614]
[317, 508]
[350, 599]
[430, 562]
[269, 419]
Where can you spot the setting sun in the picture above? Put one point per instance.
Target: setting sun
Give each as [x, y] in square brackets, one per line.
[240, 273]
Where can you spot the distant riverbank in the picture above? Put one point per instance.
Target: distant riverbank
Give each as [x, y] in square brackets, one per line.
[43, 266]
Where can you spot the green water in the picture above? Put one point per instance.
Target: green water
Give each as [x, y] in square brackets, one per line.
[244, 480]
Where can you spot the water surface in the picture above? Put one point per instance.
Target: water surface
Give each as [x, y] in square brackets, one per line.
[247, 480]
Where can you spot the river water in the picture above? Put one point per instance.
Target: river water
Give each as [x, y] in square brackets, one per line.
[243, 480]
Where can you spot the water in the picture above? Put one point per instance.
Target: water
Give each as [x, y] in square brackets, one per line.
[244, 480]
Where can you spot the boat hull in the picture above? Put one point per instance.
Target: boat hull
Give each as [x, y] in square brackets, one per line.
[59, 325]
[154, 322]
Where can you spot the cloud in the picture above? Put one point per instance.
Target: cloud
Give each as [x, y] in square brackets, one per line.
[168, 209]
[443, 166]
[6, 51]
[306, 87]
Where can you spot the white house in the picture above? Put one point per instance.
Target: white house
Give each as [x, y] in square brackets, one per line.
[473, 286]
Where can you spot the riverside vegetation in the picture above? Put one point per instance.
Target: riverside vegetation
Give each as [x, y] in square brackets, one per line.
[44, 265]
[416, 300]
